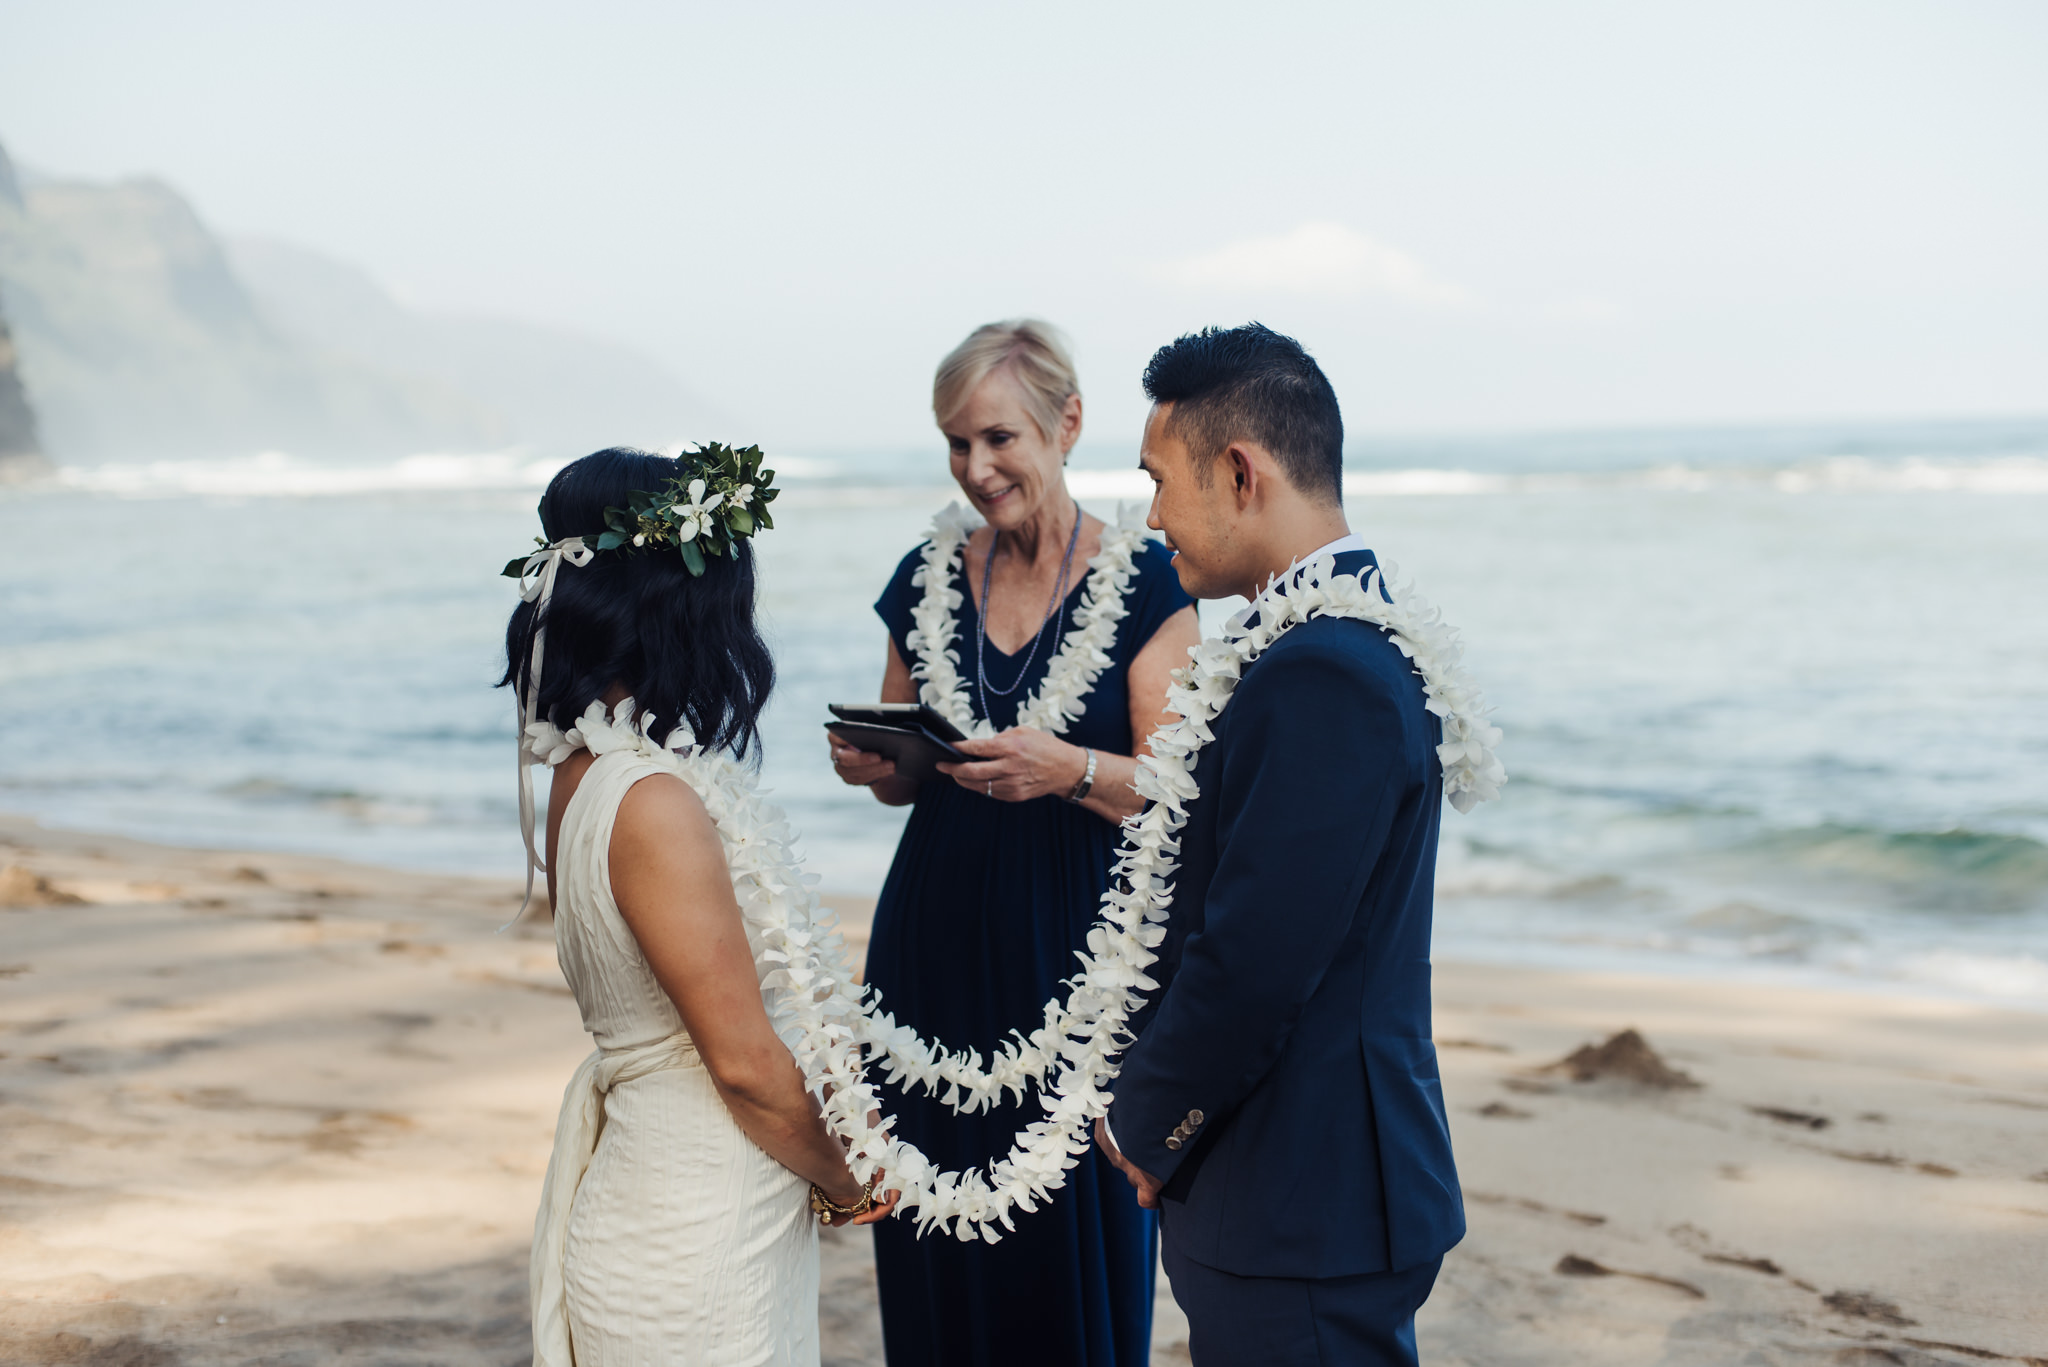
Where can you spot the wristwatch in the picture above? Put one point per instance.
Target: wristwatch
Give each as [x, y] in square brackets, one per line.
[1087, 781]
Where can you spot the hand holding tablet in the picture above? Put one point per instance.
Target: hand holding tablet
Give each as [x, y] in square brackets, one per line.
[917, 738]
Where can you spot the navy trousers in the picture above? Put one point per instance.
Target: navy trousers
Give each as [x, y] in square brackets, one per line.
[1362, 1321]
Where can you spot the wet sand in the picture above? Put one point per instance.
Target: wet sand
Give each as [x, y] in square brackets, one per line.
[274, 1109]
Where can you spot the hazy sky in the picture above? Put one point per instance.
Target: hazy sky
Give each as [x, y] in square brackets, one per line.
[1480, 216]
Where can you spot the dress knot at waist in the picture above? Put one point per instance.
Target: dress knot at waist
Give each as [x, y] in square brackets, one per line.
[611, 1067]
[576, 1133]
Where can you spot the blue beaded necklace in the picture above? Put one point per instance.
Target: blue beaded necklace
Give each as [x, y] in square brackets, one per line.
[1059, 596]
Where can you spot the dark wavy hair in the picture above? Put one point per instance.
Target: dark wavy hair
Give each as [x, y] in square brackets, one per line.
[686, 648]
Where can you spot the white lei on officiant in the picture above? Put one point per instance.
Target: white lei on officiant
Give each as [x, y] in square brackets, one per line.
[834, 1028]
[1082, 655]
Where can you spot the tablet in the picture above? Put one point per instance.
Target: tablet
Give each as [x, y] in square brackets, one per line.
[917, 752]
[914, 716]
[911, 733]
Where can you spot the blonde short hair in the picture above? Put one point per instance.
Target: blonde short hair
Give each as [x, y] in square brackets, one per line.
[1035, 352]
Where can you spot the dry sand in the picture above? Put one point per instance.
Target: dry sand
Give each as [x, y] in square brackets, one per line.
[272, 1109]
[1855, 1179]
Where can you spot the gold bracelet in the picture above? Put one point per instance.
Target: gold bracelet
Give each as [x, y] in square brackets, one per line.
[827, 1209]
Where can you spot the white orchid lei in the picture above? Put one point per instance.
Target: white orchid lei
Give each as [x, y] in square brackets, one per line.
[1082, 655]
[833, 1027]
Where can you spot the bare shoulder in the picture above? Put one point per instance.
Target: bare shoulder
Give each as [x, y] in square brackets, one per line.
[1181, 629]
[661, 818]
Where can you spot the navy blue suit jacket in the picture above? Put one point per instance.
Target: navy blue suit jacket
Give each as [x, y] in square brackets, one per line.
[1290, 1044]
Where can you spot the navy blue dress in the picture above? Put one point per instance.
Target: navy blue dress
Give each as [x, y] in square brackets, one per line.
[977, 926]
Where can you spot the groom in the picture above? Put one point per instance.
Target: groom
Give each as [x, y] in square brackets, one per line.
[1281, 1107]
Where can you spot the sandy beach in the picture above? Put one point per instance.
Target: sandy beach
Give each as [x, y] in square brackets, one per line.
[272, 1109]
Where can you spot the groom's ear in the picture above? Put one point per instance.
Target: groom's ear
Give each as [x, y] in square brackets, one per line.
[1243, 470]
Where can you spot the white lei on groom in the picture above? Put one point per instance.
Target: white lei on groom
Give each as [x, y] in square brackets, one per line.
[834, 1028]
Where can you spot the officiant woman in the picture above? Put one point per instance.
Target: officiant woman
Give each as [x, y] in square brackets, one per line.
[1065, 631]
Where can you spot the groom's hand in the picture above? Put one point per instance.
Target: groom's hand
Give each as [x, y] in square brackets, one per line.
[1147, 1185]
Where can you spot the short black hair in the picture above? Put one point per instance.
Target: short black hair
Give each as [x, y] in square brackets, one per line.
[1252, 383]
[686, 647]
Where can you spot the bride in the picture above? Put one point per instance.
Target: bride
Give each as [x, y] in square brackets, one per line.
[676, 1221]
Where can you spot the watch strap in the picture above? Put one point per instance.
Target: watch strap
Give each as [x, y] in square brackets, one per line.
[1087, 782]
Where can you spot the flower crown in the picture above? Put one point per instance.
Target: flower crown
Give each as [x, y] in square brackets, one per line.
[720, 498]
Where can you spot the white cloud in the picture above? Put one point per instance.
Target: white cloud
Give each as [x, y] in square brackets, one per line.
[1316, 258]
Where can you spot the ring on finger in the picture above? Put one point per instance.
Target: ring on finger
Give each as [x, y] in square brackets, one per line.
[991, 792]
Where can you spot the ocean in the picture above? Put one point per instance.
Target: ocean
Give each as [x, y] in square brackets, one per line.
[1775, 701]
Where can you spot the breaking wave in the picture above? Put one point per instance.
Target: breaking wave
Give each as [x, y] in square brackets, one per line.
[1958, 870]
[274, 474]
[1849, 474]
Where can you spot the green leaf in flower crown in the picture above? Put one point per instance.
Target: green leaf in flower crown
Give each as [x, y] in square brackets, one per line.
[742, 521]
[693, 559]
[515, 569]
[767, 522]
[611, 541]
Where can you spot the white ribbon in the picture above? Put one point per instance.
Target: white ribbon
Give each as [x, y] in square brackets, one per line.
[576, 1135]
[537, 586]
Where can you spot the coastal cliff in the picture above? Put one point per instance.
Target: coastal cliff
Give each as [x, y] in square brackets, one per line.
[138, 341]
[18, 444]
[20, 451]
[143, 335]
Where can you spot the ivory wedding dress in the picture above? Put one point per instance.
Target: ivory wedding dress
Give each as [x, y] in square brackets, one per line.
[665, 1235]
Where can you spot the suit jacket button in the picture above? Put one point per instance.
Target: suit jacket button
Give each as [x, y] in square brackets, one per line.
[1196, 1117]
[1173, 1141]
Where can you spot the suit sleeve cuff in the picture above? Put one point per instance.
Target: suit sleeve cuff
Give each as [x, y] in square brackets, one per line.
[1162, 1158]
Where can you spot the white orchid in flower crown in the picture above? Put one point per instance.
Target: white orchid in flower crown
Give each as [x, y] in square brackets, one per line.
[693, 516]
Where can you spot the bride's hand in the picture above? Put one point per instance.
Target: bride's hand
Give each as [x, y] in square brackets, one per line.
[1020, 764]
[884, 1207]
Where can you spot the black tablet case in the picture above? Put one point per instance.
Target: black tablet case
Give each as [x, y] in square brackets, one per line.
[912, 734]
